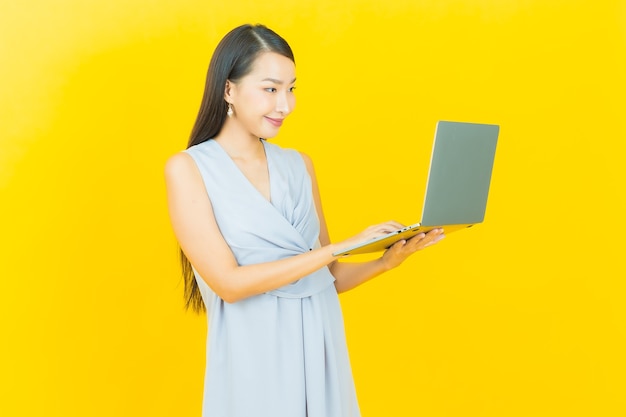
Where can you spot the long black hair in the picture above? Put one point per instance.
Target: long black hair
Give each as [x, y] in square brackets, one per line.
[232, 60]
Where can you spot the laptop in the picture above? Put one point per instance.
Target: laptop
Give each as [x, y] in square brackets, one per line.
[457, 186]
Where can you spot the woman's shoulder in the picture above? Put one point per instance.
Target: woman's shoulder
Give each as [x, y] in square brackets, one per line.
[178, 164]
[199, 148]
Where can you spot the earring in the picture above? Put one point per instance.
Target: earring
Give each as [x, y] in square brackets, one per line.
[229, 112]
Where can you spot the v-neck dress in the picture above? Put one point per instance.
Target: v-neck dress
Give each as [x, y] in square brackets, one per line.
[282, 353]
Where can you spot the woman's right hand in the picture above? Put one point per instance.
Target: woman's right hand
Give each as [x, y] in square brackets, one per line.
[370, 233]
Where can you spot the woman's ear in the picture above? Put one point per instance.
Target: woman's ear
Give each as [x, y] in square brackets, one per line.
[228, 91]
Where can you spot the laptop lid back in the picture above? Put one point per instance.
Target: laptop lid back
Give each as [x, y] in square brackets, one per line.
[460, 173]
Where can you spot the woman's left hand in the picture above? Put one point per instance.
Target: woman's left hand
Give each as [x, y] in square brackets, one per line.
[401, 250]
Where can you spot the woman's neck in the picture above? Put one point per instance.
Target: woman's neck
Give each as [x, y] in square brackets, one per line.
[240, 144]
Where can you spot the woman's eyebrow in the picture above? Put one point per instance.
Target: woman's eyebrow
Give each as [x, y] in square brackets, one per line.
[275, 81]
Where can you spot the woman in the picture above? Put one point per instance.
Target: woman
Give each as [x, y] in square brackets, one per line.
[255, 249]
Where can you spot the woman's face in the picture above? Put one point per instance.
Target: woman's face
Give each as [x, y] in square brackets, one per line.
[264, 98]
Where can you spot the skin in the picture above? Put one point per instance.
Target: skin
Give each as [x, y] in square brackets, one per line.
[261, 101]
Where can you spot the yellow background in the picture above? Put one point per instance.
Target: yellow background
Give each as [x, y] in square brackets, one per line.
[523, 315]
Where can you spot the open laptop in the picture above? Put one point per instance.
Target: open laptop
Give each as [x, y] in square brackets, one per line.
[457, 185]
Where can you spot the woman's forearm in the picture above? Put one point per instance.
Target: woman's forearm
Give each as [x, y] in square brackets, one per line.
[349, 275]
[237, 283]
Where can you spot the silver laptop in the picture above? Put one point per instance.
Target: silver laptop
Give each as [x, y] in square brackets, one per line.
[457, 185]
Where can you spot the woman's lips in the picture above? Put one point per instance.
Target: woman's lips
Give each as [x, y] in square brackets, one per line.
[275, 122]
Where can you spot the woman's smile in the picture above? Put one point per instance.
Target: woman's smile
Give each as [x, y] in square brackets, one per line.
[275, 122]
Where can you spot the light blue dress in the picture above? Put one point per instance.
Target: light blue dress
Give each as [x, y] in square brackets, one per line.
[282, 353]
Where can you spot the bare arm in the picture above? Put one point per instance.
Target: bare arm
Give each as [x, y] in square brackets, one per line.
[198, 234]
[350, 275]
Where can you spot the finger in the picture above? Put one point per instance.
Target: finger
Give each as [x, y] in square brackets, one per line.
[418, 237]
[424, 239]
[382, 227]
[398, 245]
[389, 226]
[385, 228]
[431, 234]
[431, 239]
[393, 224]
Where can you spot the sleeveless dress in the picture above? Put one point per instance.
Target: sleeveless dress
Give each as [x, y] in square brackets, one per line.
[282, 353]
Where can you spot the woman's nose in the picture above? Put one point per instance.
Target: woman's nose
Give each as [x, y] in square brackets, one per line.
[283, 103]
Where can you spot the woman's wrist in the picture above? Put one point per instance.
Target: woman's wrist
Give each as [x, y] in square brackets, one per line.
[383, 264]
[332, 249]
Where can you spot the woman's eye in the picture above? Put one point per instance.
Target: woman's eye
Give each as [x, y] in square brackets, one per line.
[292, 89]
[270, 90]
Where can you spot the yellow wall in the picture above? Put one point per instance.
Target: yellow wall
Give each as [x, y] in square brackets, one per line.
[523, 315]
